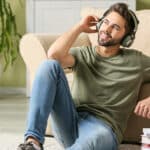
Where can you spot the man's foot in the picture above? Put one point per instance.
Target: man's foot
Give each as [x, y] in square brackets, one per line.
[29, 146]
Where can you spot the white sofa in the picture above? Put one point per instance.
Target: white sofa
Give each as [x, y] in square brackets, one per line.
[33, 48]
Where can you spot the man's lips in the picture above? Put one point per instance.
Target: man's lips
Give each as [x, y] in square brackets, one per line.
[104, 35]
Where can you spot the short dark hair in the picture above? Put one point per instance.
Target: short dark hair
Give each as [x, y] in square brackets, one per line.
[123, 11]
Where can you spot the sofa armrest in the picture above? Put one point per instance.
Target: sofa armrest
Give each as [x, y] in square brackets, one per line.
[36, 45]
[33, 49]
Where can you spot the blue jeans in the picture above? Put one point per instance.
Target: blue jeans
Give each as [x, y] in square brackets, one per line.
[74, 130]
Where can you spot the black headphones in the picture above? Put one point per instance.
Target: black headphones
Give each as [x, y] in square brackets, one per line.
[129, 38]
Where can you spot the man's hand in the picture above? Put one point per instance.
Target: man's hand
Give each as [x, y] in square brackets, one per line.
[143, 108]
[59, 50]
[88, 22]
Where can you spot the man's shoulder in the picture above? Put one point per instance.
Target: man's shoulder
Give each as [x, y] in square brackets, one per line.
[131, 51]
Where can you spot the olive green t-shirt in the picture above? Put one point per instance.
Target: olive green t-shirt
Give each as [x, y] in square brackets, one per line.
[108, 87]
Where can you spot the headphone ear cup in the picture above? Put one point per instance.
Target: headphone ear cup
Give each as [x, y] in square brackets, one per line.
[127, 41]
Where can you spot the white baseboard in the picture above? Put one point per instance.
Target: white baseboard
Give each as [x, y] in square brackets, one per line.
[12, 90]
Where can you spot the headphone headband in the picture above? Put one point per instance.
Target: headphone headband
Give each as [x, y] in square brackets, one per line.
[135, 20]
[128, 39]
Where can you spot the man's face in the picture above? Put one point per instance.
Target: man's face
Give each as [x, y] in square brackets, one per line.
[112, 30]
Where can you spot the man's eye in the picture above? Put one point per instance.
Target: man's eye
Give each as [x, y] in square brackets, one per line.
[105, 21]
[116, 28]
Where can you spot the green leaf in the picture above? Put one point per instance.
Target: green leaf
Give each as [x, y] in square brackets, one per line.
[9, 36]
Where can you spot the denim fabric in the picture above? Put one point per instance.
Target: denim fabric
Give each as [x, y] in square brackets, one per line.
[74, 130]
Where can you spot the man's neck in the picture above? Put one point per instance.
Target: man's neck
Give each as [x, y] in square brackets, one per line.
[107, 51]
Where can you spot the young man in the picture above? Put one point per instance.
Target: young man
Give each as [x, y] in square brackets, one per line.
[94, 115]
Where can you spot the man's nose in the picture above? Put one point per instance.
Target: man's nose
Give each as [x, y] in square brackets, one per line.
[108, 29]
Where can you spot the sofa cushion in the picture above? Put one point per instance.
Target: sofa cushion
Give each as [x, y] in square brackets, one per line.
[141, 42]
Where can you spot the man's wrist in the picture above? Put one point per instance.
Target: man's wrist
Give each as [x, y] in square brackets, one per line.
[79, 28]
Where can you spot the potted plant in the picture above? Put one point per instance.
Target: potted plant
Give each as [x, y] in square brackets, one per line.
[9, 36]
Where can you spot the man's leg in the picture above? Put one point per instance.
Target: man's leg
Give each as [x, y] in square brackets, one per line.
[50, 88]
[94, 134]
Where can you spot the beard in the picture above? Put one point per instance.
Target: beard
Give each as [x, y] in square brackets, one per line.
[107, 40]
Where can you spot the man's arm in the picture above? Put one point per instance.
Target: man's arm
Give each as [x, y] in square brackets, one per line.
[143, 108]
[59, 50]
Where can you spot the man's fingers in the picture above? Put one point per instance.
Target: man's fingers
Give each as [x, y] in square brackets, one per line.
[148, 115]
[136, 109]
[145, 112]
[93, 23]
[139, 109]
[92, 31]
[142, 110]
[95, 18]
[92, 19]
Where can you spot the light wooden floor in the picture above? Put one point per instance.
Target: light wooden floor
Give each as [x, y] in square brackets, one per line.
[13, 113]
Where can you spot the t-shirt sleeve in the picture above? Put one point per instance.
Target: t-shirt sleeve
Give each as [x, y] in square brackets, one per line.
[76, 52]
[146, 67]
